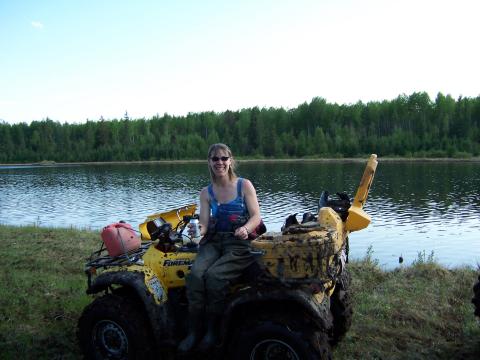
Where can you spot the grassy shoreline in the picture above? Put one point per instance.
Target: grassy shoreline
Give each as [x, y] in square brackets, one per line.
[417, 312]
[246, 160]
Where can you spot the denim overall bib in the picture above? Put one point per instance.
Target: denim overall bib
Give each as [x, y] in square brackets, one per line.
[221, 259]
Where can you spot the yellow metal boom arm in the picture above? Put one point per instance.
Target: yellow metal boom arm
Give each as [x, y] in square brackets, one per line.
[357, 218]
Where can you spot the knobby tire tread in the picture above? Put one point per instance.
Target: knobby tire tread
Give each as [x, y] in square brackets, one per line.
[124, 311]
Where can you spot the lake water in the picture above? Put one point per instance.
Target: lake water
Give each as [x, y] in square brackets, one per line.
[415, 206]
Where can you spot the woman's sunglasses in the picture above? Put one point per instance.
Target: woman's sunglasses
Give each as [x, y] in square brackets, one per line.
[216, 158]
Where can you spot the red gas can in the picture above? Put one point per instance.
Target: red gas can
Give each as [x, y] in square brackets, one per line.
[120, 238]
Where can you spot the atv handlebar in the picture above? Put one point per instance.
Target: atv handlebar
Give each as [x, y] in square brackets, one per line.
[174, 217]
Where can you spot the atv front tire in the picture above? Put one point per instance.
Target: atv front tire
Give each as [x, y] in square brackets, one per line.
[269, 340]
[341, 308]
[114, 327]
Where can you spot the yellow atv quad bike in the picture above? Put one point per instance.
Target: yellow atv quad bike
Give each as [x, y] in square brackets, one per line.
[292, 304]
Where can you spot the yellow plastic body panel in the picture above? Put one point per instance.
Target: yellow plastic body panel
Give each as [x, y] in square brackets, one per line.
[328, 218]
[297, 256]
[306, 254]
[307, 251]
[171, 267]
[357, 218]
[154, 284]
[172, 216]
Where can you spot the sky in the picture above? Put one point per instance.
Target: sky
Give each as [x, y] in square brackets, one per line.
[73, 60]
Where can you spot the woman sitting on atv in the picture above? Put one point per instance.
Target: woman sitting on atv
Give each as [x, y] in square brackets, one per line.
[224, 251]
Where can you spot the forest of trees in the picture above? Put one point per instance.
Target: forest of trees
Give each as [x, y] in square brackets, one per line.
[408, 126]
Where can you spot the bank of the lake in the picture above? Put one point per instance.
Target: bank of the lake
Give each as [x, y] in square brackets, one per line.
[361, 159]
[417, 312]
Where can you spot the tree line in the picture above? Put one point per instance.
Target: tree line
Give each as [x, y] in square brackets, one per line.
[408, 126]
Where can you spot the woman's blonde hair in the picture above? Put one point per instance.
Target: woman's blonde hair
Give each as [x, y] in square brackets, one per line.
[222, 147]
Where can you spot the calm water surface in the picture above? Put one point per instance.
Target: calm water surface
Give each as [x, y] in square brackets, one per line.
[415, 206]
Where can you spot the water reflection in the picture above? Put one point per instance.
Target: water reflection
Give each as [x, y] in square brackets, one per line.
[414, 206]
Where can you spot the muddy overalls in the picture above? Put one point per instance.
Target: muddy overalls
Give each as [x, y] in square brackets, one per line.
[221, 258]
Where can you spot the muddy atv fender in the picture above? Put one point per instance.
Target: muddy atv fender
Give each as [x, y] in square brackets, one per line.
[138, 288]
[253, 300]
[278, 323]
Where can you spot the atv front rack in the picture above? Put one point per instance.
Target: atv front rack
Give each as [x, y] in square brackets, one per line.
[101, 259]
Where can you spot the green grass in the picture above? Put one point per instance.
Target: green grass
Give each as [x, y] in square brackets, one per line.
[417, 312]
[42, 291]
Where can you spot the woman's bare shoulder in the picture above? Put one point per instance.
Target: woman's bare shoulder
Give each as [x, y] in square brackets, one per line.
[204, 191]
[247, 186]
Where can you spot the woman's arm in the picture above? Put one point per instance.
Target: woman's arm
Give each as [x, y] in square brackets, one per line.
[204, 211]
[253, 210]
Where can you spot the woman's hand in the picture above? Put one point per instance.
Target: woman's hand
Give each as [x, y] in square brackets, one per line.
[191, 230]
[242, 232]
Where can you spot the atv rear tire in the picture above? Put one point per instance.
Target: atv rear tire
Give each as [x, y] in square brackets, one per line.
[476, 297]
[114, 327]
[269, 340]
[341, 308]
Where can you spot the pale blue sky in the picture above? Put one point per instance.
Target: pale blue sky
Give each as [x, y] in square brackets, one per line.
[70, 60]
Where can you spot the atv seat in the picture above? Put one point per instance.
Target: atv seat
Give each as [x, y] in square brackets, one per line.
[253, 272]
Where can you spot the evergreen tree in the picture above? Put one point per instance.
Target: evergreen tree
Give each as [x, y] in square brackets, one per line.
[410, 125]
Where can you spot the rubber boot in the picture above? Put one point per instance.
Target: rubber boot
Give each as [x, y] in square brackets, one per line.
[211, 337]
[194, 332]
